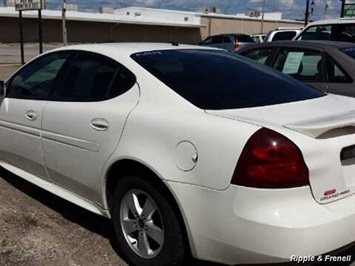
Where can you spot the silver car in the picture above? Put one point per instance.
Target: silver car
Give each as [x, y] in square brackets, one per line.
[230, 42]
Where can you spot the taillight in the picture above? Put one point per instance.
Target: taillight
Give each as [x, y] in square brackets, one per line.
[270, 160]
[236, 45]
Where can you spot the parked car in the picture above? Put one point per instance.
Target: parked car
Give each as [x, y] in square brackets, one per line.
[341, 29]
[282, 33]
[187, 149]
[259, 37]
[230, 42]
[328, 66]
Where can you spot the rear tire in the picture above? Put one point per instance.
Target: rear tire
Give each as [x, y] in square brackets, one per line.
[146, 227]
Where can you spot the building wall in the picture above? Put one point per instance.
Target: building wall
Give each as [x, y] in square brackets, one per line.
[217, 25]
[79, 31]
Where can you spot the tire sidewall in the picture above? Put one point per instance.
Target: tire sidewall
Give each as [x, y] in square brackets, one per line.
[172, 251]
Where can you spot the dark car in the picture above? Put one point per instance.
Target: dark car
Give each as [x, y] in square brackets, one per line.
[230, 42]
[326, 65]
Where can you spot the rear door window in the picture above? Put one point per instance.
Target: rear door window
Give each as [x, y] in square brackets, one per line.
[245, 38]
[284, 35]
[222, 80]
[259, 55]
[302, 64]
[93, 77]
[219, 39]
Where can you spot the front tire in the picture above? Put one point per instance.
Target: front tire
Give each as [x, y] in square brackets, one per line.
[147, 228]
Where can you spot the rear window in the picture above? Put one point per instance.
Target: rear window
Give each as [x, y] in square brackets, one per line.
[284, 35]
[244, 38]
[349, 51]
[218, 80]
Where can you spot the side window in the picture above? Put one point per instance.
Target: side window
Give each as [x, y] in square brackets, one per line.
[245, 38]
[92, 77]
[256, 39]
[304, 65]
[207, 41]
[343, 32]
[37, 80]
[321, 32]
[259, 55]
[227, 39]
[335, 73]
[284, 35]
[122, 82]
[218, 39]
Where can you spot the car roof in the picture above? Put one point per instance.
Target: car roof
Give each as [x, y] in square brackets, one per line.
[130, 48]
[283, 30]
[229, 34]
[303, 44]
[332, 21]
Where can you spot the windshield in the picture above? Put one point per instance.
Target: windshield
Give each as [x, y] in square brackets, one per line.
[215, 79]
[332, 32]
[350, 51]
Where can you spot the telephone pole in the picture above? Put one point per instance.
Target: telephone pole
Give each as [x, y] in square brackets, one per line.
[262, 18]
[342, 8]
[64, 27]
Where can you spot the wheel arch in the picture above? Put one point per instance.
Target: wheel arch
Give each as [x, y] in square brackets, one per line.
[124, 167]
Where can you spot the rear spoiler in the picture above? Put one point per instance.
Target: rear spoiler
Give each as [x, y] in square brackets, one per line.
[316, 127]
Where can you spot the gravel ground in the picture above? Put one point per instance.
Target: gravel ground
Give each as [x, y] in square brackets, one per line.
[7, 70]
[38, 228]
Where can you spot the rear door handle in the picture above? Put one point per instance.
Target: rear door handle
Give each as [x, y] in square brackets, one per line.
[99, 124]
[31, 115]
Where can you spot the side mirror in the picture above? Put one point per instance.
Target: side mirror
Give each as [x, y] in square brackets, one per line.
[2, 89]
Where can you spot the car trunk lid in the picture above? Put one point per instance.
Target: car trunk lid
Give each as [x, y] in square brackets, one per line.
[329, 123]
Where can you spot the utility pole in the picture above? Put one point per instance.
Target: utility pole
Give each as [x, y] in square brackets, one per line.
[64, 27]
[308, 12]
[342, 8]
[306, 15]
[262, 18]
[21, 38]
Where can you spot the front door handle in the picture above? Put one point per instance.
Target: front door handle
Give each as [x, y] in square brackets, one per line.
[99, 124]
[31, 115]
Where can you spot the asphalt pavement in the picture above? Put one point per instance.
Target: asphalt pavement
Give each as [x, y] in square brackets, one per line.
[11, 53]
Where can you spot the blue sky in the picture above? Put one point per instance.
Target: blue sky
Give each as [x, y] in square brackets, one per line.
[292, 9]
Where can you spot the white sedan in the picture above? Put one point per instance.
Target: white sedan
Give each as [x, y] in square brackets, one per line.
[189, 150]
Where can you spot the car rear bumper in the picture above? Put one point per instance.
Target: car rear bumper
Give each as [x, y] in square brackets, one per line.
[243, 225]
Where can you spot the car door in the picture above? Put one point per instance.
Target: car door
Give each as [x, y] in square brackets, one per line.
[21, 113]
[83, 122]
[303, 64]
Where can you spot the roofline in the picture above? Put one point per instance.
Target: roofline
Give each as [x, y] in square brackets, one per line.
[212, 15]
[332, 21]
[160, 9]
[71, 17]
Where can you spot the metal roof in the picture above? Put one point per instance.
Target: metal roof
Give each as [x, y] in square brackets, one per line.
[97, 17]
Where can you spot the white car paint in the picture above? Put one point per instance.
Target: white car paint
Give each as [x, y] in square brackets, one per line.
[325, 22]
[225, 223]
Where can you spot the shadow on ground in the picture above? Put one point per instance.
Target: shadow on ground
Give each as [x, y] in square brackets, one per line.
[90, 221]
[100, 225]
